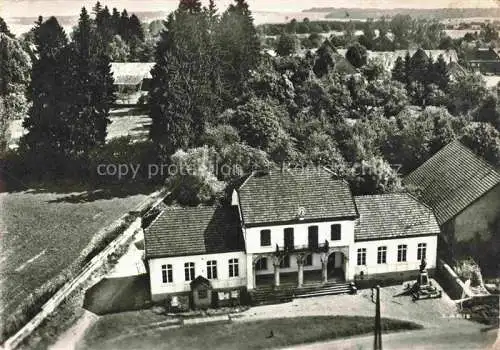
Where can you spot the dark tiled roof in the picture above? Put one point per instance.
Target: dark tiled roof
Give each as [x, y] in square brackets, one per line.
[393, 215]
[482, 55]
[192, 231]
[277, 196]
[452, 179]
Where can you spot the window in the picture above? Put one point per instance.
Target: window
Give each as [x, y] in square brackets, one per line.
[261, 264]
[309, 260]
[166, 273]
[212, 269]
[265, 238]
[421, 251]
[335, 232]
[233, 268]
[362, 256]
[288, 233]
[381, 255]
[402, 252]
[189, 271]
[285, 262]
[312, 236]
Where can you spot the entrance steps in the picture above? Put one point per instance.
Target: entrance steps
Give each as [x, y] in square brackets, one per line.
[332, 288]
[287, 292]
[271, 295]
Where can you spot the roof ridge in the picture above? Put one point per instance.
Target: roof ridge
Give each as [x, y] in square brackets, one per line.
[252, 174]
[429, 159]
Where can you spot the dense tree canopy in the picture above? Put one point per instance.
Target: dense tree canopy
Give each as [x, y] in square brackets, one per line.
[357, 55]
[71, 90]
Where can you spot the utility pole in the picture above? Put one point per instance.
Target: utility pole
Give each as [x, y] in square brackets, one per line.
[377, 345]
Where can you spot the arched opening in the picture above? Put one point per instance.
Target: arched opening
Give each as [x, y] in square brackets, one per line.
[263, 271]
[336, 267]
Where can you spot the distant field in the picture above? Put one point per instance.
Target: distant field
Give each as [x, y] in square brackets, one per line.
[124, 122]
[43, 232]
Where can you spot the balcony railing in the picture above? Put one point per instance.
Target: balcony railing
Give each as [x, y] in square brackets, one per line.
[304, 247]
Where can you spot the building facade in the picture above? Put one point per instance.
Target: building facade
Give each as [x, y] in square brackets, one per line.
[289, 228]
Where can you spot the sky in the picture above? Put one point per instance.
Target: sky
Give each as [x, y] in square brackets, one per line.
[33, 8]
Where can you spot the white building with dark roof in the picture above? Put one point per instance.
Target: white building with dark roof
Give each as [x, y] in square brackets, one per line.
[290, 229]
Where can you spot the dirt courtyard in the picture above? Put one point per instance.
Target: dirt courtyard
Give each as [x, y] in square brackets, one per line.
[429, 313]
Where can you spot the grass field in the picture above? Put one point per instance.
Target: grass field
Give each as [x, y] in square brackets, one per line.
[42, 233]
[117, 332]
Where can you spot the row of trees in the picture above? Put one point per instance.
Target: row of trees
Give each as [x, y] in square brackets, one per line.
[400, 32]
[215, 102]
[202, 64]
[71, 91]
[122, 36]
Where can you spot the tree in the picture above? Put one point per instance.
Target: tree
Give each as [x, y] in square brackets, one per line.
[373, 176]
[286, 45]
[484, 140]
[489, 33]
[115, 21]
[325, 61]
[315, 39]
[183, 96]
[320, 149]
[15, 64]
[47, 80]
[259, 122]
[398, 71]
[466, 93]
[135, 28]
[194, 181]
[401, 27]
[442, 129]
[439, 73]
[5, 29]
[446, 43]
[237, 47]
[118, 50]
[488, 111]
[123, 26]
[71, 119]
[369, 35]
[349, 32]
[105, 31]
[419, 67]
[92, 91]
[374, 70]
[357, 55]
[282, 148]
